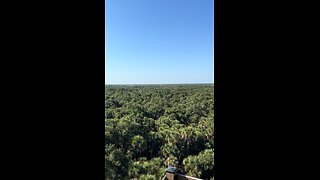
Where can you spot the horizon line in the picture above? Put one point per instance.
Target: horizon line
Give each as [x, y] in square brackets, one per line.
[158, 83]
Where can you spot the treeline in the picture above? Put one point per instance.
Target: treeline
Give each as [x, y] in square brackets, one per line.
[148, 128]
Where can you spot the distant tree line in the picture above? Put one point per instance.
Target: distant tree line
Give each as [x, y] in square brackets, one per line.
[148, 128]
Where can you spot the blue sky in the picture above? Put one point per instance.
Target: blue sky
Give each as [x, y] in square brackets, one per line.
[159, 41]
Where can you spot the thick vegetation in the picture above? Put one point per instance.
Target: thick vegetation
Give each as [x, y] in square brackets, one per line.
[148, 128]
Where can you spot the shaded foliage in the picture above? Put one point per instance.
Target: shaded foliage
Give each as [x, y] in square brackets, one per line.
[148, 128]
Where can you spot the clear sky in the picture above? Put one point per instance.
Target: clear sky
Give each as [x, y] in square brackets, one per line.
[159, 41]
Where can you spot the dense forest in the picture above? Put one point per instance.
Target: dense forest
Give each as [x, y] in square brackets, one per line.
[150, 127]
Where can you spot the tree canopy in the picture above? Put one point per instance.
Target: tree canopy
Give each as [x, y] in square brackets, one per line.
[148, 128]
